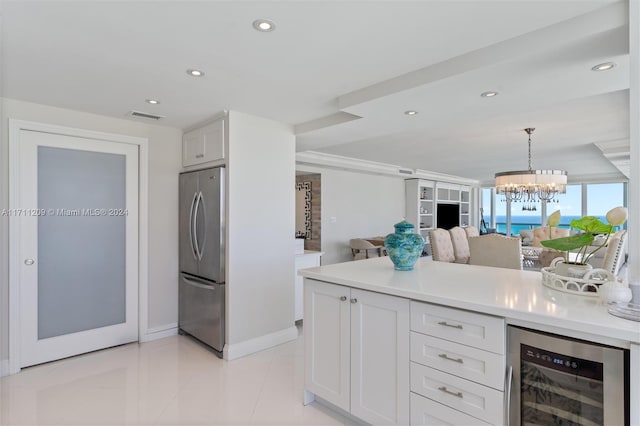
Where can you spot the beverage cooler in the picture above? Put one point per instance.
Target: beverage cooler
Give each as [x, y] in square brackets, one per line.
[561, 381]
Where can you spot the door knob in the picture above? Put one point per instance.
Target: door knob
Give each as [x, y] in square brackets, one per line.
[29, 262]
[343, 298]
[354, 300]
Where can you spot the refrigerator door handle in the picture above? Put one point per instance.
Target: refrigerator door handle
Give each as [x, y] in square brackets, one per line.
[197, 284]
[198, 200]
[191, 226]
[202, 204]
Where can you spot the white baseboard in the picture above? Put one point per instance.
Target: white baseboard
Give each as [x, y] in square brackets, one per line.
[4, 367]
[161, 332]
[238, 350]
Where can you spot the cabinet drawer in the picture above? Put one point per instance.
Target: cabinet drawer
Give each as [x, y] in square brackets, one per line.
[425, 412]
[469, 363]
[468, 328]
[471, 398]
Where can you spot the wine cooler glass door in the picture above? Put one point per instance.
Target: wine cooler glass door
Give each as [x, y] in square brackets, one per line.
[560, 381]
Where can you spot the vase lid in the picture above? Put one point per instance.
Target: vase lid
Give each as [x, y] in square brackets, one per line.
[403, 225]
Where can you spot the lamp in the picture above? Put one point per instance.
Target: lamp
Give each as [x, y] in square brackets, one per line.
[531, 186]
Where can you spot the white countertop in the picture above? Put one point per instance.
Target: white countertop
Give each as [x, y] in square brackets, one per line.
[310, 252]
[518, 296]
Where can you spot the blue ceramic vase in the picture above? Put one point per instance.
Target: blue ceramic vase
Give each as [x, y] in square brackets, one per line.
[404, 246]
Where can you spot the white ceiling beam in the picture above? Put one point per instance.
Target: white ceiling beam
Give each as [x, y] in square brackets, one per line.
[535, 42]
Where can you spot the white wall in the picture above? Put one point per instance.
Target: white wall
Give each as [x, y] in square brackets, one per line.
[363, 205]
[164, 166]
[260, 234]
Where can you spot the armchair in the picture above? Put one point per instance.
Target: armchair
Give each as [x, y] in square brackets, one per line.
[441, 245]
[614, 256]
[363, 249]
[495, 250]
[460, 244]
[471, 231]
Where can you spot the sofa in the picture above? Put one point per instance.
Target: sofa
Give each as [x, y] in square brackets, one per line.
[542, 234]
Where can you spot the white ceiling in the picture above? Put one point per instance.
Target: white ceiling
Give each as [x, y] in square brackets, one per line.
[366, 61]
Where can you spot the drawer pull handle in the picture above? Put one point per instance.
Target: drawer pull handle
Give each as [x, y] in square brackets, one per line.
[446, 324]
[199, 155]
[445, 390]
[448, 358]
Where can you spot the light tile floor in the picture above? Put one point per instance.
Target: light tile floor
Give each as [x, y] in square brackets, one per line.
[172, 381]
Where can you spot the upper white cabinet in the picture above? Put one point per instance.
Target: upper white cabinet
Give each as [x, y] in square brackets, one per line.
[204, 144]
[448, 192]
[357, 351]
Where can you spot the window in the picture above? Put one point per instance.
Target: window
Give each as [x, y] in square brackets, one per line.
[602, 197]
[525, 216]
[569, 204]
[486, 208]
[501, 214]
[599, 199]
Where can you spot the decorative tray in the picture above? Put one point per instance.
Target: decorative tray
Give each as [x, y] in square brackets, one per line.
[587, 285]
[630, 311]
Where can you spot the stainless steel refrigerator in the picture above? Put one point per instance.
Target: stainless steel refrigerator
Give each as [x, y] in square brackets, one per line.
[202, 256]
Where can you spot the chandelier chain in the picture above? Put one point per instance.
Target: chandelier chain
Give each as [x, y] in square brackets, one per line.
[529, 130]
[530, 168]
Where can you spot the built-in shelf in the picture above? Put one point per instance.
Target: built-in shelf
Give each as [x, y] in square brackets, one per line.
[420, 207]
[423, 197]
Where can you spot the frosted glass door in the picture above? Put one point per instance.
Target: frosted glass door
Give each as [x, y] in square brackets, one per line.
[79, 245]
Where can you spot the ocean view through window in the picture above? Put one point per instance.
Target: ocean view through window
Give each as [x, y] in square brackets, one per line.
[599, 199]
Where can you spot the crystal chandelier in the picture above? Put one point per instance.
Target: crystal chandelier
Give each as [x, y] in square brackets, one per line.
[531, 186]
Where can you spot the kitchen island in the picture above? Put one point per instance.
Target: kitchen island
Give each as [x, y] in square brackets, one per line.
[361, 315]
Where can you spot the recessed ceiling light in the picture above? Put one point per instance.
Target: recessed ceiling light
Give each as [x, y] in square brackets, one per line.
[152, 101]
[604, 67]
[264, 25]
[488, 94]
[195, 73]
[411, 112]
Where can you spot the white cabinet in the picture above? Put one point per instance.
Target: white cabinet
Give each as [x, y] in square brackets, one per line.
[204, 144]
[465, 206]
[422, 200]
[425, 412]
[448, 193]
[307, 259]
[357, 351]
[420, 206]
[457, 366]
[327, 336]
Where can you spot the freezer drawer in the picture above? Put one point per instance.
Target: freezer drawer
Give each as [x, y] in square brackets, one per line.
[201, 310]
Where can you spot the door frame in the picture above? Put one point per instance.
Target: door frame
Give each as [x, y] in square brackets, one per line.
[15, 127]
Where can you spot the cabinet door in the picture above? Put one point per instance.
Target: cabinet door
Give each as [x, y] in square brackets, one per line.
[192, 148]
[213, 141]
[379, 358]
[326, 341]
[302, 261]
[298, 297]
